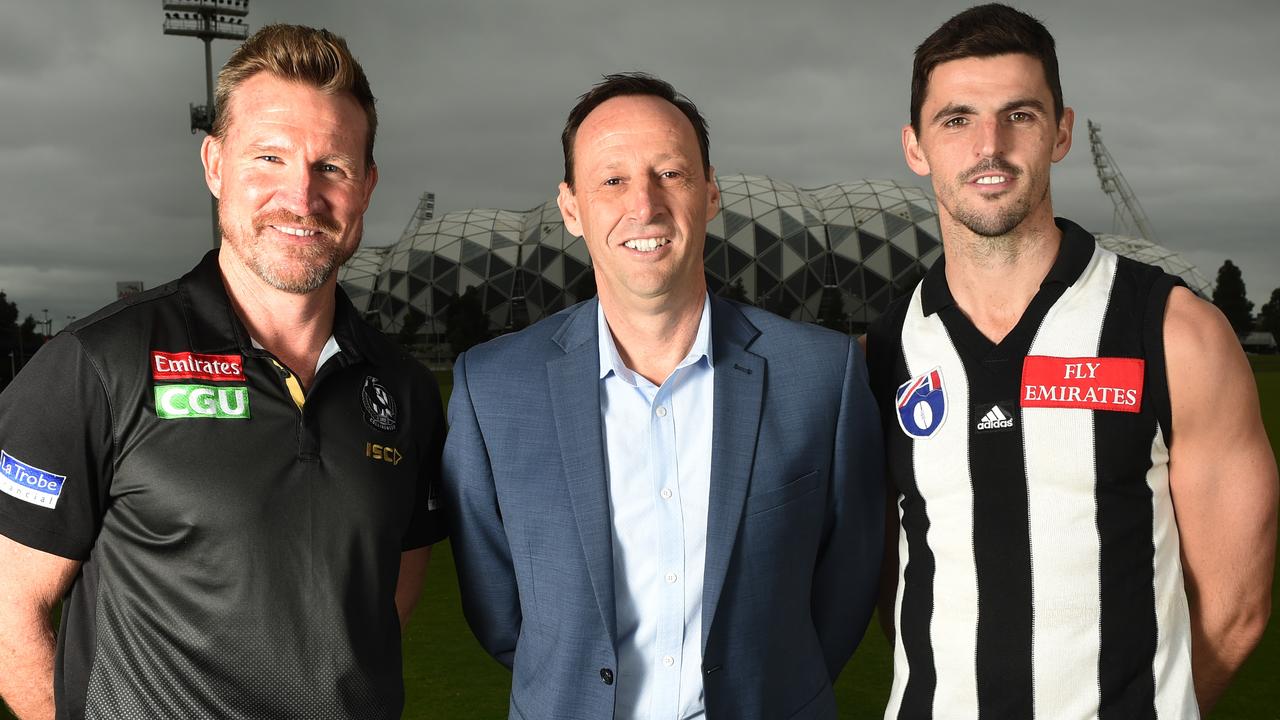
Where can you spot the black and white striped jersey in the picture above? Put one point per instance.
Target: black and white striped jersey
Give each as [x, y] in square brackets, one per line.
[1039, 572]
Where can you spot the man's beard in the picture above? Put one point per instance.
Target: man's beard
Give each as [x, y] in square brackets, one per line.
[297, 269]
[1005, 219]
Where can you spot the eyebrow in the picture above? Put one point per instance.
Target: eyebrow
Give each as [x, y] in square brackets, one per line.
[1029, 103]
[272, 148]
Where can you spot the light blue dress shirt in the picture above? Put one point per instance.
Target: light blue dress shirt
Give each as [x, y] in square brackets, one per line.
[658, 449]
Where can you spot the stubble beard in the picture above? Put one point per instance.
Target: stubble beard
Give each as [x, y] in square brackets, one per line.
[296, 269]
[993, 236]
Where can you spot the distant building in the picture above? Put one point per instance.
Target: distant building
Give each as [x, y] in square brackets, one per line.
[868, 241]
[1259, 341]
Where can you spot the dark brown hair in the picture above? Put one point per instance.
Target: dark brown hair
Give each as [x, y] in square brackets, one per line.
[302, 54]
[631, 83]
[985, 31]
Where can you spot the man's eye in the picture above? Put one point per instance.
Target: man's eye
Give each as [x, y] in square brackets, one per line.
[613, 181]
[269, 158]
[1020, 116]
[329, 168]
[671, 174]
[956, 122]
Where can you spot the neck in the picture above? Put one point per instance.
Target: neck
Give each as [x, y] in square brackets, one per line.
[652, 338]
[993, 279]
[290, 326]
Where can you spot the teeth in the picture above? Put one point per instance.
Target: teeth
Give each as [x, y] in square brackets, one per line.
[991, 180]
[646, 244]
[295, 231]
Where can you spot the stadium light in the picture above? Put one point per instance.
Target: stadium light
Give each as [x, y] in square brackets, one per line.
[207, 20]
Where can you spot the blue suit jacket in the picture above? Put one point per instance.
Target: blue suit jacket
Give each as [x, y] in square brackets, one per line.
[794, 531]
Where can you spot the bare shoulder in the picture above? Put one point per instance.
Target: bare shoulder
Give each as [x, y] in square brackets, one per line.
[1211, 386]
[1198, 339]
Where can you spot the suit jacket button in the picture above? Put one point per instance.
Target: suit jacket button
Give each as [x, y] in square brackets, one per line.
[606, 676]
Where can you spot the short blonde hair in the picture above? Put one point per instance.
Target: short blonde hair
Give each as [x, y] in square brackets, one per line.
[302, 54]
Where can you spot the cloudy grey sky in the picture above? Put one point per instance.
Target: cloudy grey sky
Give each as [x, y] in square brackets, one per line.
[100, 180]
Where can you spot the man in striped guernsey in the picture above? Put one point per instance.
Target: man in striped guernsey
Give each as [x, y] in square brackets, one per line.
[1084, 494]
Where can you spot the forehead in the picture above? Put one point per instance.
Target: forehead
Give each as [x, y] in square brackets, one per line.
[634, 124]
[265, 100]
[972, 80]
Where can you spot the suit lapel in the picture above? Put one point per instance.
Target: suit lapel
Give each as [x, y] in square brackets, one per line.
[574, 380]
[739, 392]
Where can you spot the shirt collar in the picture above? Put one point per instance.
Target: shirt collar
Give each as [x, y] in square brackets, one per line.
[1073, 256]
[214, 327]
[611, 361]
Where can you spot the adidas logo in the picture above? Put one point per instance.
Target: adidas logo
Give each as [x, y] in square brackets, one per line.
[995, 419]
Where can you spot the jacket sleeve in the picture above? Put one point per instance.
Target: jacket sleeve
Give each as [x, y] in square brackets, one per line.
[486, 576]
[847, 573]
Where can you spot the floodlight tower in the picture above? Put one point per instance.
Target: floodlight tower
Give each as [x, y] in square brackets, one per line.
[207, 20]
[1129, 212]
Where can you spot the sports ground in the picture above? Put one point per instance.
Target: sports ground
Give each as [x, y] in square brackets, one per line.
[448, 677]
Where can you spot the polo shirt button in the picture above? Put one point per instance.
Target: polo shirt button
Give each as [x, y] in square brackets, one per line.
[606, 676]
[661, 411]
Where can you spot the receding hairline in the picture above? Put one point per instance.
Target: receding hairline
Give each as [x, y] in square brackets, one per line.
[681, 126]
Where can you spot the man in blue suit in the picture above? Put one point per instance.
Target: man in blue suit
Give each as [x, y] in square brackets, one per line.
[665, 505]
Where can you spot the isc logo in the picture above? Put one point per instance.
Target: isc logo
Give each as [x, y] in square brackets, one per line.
[385, 453]
[175, 402]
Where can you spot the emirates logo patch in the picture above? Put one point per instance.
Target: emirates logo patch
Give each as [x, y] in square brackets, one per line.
[1096, 383]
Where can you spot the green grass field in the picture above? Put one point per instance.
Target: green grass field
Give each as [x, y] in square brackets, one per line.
[448, 677]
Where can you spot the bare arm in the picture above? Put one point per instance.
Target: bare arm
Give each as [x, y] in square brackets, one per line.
[31, 581]
[1222, 476]
[413, 570]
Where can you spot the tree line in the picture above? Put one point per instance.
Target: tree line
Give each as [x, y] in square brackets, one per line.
[18, 341]
[1229, 295]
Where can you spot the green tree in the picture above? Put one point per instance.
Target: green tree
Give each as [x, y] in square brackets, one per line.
[414, 319]
[18, 342]
[465, 322]
[736, 292]
[1269, 315]
[1229, 296]
[831, 312]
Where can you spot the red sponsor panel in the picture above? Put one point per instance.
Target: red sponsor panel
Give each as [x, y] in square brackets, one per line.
[193, 366]
[1091, 383]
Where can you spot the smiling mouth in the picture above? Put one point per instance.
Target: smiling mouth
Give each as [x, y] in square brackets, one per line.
[992, 180]
[296, 232]
[646, 244]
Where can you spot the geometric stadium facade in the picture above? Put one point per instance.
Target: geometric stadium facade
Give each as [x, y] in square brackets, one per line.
[1163, 258]
[784, 248]
[869, 240]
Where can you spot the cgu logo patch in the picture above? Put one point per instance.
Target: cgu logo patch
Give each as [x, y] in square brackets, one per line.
[174, 402]
[191, 366]
[28, 482]
[922, 404]
[1091, 383]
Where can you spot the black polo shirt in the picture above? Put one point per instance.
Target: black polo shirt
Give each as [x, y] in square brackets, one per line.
[240, 548]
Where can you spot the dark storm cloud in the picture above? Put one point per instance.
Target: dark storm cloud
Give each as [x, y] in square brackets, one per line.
[102, 180]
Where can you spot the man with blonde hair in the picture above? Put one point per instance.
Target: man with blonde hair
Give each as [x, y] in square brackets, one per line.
[227, 480]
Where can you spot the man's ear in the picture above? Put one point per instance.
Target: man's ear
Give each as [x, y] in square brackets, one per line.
[911, 150]
[713, 193]
[371, 181]
[1062, 140]
[569, 210]
[211, 157]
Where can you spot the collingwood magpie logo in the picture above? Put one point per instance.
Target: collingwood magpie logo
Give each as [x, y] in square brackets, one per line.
[379, 406]
[996, 418]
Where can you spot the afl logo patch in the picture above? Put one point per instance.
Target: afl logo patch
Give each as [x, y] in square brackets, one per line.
[922, 404]
[379, 406]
